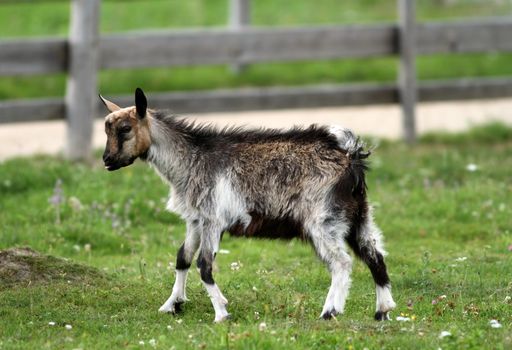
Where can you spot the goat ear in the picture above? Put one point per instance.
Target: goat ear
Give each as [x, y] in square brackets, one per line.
[141, 103]
[111, 106]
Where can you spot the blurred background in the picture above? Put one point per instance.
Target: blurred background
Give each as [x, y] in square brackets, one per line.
[37, 19]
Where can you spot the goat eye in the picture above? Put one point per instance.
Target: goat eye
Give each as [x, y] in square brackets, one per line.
[125, 129]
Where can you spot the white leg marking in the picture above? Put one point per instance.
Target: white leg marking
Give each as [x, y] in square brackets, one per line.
[219, 302]
[385, 301]
[178, 294]
[340, 285]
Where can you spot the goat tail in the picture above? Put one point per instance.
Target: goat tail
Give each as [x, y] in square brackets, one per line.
[357, 155]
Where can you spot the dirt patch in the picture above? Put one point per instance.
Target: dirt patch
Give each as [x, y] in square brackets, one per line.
[24, 266]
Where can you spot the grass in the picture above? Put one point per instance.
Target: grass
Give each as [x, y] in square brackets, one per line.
[433, 211]
[43, 18]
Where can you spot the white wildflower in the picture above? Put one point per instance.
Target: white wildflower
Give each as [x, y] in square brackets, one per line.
[179, 321]
[444, 334]
[462, 258]
[403, 319]
[495, 324]
[51, 323]
[262, 327]
[141, 342]
[507, 298]
[235, 266]
[471, 167]
[76, 247]
[254, 288]
[87, 247]
[224, 251]
[152, 342]
[169, 327]
[68, 327]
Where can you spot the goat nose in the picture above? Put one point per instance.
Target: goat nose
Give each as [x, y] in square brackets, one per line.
[106, 157]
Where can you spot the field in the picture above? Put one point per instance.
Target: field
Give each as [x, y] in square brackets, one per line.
[51, 17]
[444, 206]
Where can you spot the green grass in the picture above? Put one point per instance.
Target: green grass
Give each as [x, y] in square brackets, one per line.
[431, 209]
[43, 18]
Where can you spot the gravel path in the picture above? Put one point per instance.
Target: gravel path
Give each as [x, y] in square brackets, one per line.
[381, 120]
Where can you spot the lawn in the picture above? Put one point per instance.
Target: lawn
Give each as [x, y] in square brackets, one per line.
[51, 17]
[444, 207]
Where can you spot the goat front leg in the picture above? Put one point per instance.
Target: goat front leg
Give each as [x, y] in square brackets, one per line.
[183, 261]
[209, 247]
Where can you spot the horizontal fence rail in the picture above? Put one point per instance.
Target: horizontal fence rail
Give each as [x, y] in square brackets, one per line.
[33, 56]
[251, 45]
[255, 45]
[464, 37]
[32, 110]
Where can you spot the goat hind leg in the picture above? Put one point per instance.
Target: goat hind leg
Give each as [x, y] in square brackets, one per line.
[340, 285]
[332, 251]
[368, 246]
[385, 302]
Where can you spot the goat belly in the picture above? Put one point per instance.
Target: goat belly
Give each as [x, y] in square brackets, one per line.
[269, 227]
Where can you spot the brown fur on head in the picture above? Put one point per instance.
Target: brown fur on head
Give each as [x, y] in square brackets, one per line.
[127, 132]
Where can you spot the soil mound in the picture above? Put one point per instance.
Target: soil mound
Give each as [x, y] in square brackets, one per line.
[25, 266]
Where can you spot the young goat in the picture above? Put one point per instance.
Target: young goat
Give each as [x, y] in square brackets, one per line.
[307, 183]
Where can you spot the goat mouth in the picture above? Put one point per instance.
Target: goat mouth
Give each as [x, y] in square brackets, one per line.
[112, 167]
[116, 166]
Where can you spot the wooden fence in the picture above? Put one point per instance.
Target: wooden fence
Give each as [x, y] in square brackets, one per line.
[85, 52]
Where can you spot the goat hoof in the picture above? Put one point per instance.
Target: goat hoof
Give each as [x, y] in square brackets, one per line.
[178, 307]
[329, 314]
[382, 316]
[223, 318]
[172, 309]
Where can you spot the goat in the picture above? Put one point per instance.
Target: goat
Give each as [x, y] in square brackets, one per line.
[304, 182]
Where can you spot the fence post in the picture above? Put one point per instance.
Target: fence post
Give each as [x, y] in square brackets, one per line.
[81, 89]
[239, 17]
[407, 71]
